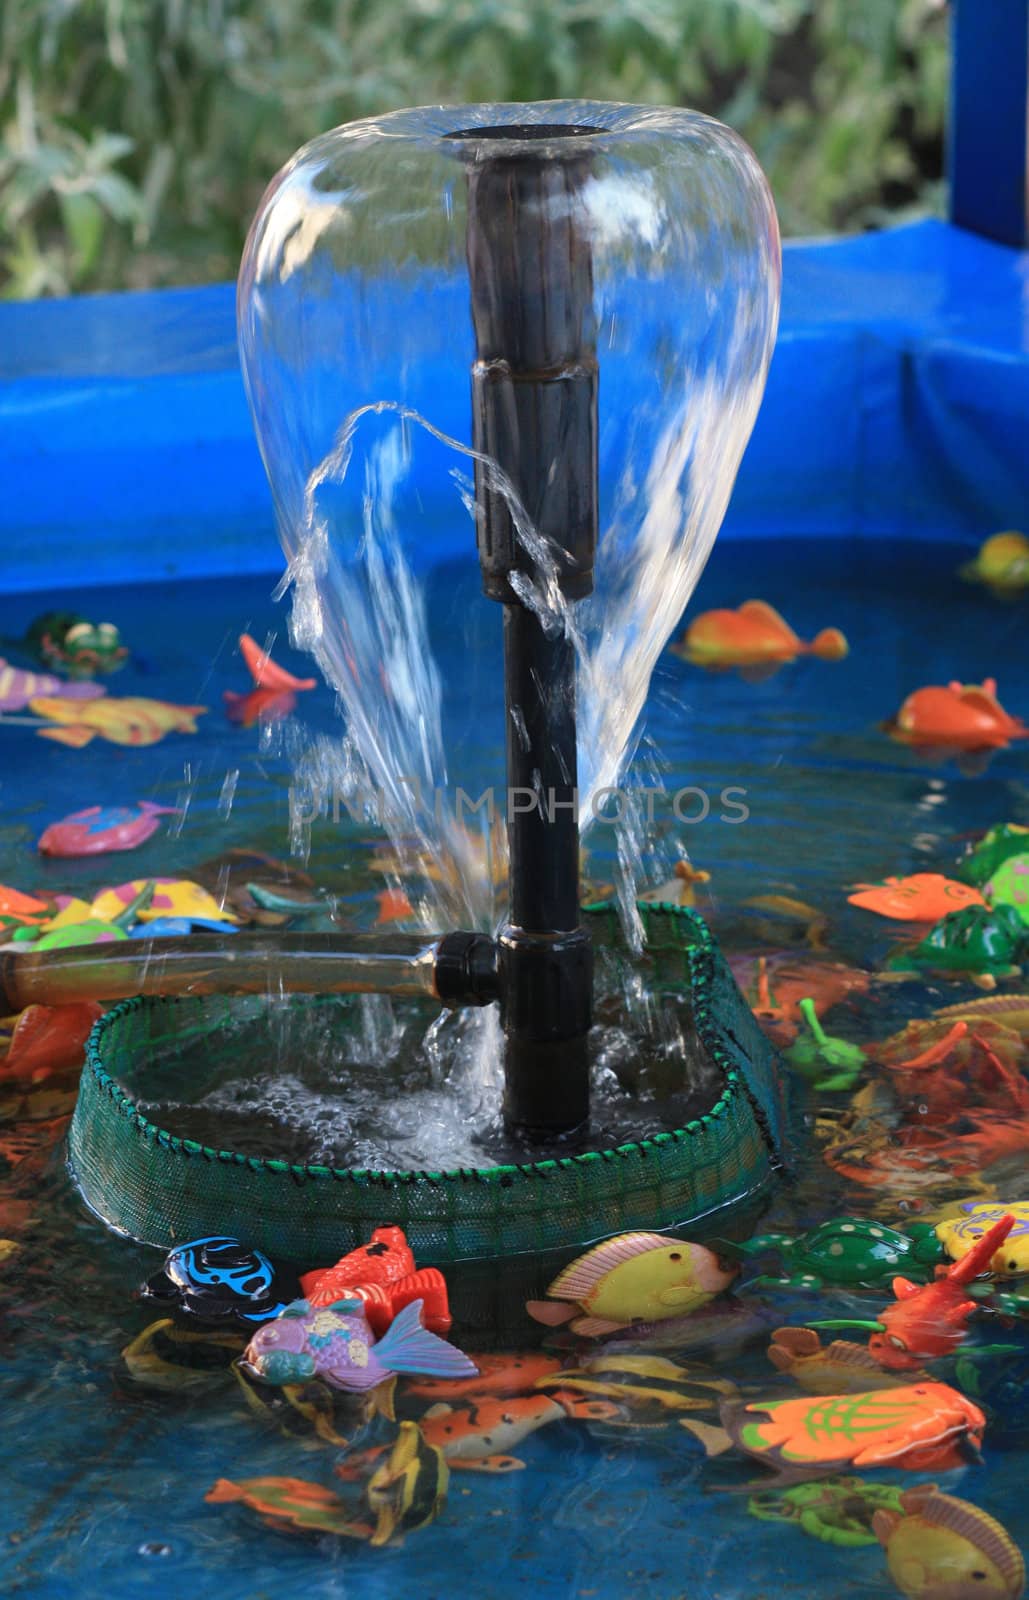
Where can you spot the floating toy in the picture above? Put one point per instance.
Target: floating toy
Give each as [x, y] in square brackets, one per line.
[775, 985]
[958, 1235]
[100, 830]
[178, 927]
[497, 1375]
[923, 897]
[634, 1277]
[838, 1511]
[274, 694]
[941, 1548]
[804, 923]
[830, 1065]
[646, 1391]
[314, 1413]
[956, 717]
[131, 721]
[1009, 885]
[171, 897]
[753, 638]
[479, 1436]
[217, 1280]
[382, 1275]
[850, 1252]
[987, 943]
[1010, 1010]
[982, 860]
[841, 1367]
[1001, 564]
[923, 1427]
[17, 688]
[680, 888]
[21, 910]
[91, 930]
[48, 1040]
[336, 1343]
[409, 1489]
[931, 1321]
[292, 1505]
[178, 1360]
[68, 643]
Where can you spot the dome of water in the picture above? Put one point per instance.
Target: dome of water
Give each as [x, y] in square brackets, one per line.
[360, 353]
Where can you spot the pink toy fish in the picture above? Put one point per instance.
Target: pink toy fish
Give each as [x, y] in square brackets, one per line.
[17, 688]
[100, 830]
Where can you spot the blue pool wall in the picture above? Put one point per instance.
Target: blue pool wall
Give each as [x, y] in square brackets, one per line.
[897, 406]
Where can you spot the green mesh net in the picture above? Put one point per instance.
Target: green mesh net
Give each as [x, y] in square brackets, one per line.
[161, 1189]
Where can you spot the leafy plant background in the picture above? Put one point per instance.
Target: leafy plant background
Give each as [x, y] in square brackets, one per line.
[136, 136]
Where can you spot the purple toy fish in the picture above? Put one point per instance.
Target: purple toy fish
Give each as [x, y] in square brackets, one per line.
[101, 829]
[336, 1344]
[17, 688]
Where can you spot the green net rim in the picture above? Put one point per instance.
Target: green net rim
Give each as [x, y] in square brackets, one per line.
[700, 949]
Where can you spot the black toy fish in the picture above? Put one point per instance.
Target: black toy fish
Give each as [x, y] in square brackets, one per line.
[219, 1280]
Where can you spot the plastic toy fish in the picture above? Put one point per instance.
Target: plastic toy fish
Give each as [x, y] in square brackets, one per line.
[811, 925]
[956, 717]
[274, 694]
[48, 1040]
[383, 1276]
[78, 648]
[931, 1321]
[958, 1235]
[923, 897]
[775, 985]
[20, 910]
[837, 1511]
[217, 1280]
[752, 637]
[336, 1343]
[480, 1435]
[647, 1391]
[17, 688]
[923, 1427]
[172, 897]
[831, 1065]
[634, 1277]
[100, 830]
[1009, 885]
[178, 1360]
[291, 1505]
[849, 1251]
[130, 721]
[409, 1489]
[1001, 564]
[841, 1367]
[998, 844]
[498, 1375]
[941, 1548]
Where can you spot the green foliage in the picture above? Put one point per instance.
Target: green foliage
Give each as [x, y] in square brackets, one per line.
[136, 135]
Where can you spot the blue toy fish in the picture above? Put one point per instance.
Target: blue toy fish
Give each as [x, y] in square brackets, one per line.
[218, 1280]
[336, 1343]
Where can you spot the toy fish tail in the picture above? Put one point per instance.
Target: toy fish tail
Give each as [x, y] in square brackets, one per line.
[408, 1347]
[223, 1492]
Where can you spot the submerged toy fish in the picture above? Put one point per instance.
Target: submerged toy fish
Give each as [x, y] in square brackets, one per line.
[635, 1277]
[81, 649]
[929, 1321]
[958, 716]
[941, 1548]
[131, 721]
[274, 694]
[336, 1343]
[217, 1280]
[922, 897]
[291, 1505]
[1001, 564]
[479, 1436]
[923, 1427]
[17, 688]
[497, 1375]
[646, 1391]
[102, 829]
[841, 1367]
[753, 637]
[382, 1275]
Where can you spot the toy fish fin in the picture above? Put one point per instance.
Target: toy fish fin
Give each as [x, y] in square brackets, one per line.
[408, 1347]
[489, 1464]
[761, 611]
[382, 1399]
[76, 738]
[903, 1288]
[578, 1280]
[263, 670]
[798, 1341]
[223, 1492]
[549, 1312]
[716, 1441]
[596, 1327]
[883, 1524]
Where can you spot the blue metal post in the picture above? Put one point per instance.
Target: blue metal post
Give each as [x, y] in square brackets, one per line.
[988, 156]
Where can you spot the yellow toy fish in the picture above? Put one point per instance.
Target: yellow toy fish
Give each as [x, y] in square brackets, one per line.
[410, 1488]
[941, 1548]
[1001, 564]
[958, 1234]
[635, 1277]
[128, 721]
[841, 1367]
[647, 1391]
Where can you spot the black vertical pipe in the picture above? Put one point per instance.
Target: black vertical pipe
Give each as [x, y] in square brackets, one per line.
[534, 388]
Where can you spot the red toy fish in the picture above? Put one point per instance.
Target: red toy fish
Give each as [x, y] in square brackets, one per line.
[47, 1040]
[928, 1322]
[274, 694]
[382, 1275]
[959, 716]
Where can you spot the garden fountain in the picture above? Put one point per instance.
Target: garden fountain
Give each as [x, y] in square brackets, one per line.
[563, 227]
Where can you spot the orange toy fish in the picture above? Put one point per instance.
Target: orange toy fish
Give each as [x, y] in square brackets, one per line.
[774, 986]
[47, 1040]
[929, 1322]
[128, 721]
[498, 1375]
[15, 904]
[960, 716]
[924, 1427]
[382, 1275]
[923, 897]
[291, 1505]
[274, 694]
[754, 638]
[478, 1437]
